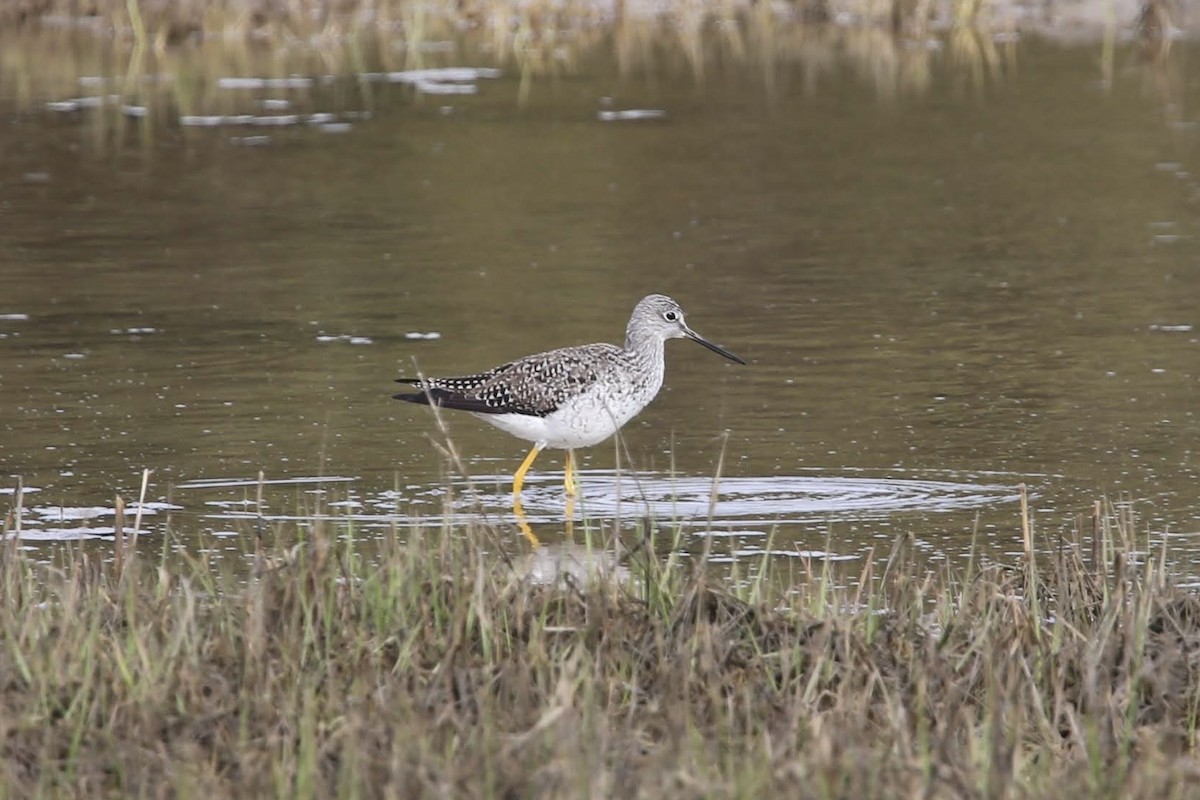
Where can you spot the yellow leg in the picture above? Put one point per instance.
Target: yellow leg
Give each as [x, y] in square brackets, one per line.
[569, 484]
[526, 531]
[519, 477]
[518, 482]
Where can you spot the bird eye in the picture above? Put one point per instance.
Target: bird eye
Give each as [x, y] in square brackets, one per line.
[670, 316]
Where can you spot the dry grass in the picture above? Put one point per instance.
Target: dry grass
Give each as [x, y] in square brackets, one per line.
[433, 669]
[513, 23]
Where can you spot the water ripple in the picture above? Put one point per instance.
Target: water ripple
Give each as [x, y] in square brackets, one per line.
[761, 500]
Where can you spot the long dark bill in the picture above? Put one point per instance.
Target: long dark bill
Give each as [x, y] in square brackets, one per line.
[695, 337]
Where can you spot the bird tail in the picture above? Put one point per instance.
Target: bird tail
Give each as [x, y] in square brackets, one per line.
[421, 397]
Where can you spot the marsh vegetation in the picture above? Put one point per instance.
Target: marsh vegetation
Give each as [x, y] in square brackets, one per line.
[439, 668]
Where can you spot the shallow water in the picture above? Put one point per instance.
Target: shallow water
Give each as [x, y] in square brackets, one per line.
[950, 275]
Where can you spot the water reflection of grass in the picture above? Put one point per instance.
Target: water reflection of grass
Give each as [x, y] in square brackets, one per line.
[170, 54]
[436, 667]
[170, 73]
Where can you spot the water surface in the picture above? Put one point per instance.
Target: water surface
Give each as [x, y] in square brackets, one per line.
[950, 275]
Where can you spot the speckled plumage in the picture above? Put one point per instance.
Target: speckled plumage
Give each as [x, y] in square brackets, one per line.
[573, 396]
[535, 385]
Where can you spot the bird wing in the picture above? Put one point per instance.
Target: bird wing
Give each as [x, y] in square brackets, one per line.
[534, 385]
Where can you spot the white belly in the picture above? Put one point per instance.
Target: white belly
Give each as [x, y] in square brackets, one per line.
[580, 422]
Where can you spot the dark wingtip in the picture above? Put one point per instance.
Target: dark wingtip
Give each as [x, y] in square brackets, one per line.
[411, 397]
[419, 397]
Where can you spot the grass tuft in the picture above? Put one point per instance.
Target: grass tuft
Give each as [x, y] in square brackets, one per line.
[434, 668]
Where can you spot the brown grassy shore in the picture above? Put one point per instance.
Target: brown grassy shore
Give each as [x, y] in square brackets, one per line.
[434, 668]
[289, 21]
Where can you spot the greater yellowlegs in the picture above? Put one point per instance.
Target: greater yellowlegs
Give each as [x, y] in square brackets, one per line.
[573, 396]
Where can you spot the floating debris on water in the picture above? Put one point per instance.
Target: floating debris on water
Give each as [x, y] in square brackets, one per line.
[1172, 328]
[335, 127]
[80, 103]
[226, 483]
[631, 114]
[1167, 238]
[443, 74]
[420, 335]
[280, 120]
[202, 121]
[344, 337]
[70, 534]
[276, 104]
[48, 523]
[265, 83]
[68, 513]
[437, 87]
[15, 317]
[445, 80]
[265, 121]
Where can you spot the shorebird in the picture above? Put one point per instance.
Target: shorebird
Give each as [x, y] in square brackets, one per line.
[573, 396]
